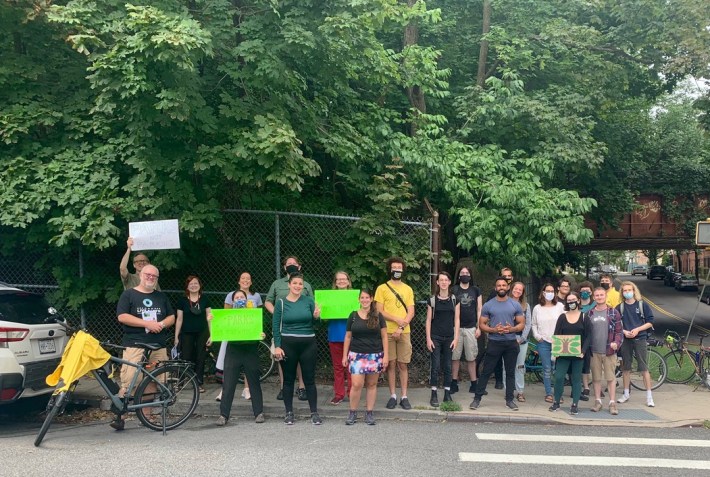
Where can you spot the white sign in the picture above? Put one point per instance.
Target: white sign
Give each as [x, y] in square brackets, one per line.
[155, 235]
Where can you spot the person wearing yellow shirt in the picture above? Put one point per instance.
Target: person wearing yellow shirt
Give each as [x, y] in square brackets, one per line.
[613, 297]
[395, 301]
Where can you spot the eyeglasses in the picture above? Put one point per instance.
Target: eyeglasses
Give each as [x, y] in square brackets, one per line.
[150, 276]
[564, 286]
[575, 301]
[508, 276]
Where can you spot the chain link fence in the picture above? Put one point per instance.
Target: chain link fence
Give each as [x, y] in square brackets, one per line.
[246, 241]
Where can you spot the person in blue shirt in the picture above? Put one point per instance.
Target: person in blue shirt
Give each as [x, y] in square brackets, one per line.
[336, 337]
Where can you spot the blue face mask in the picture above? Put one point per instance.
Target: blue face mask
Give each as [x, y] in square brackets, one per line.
[240, 303]
[585, 295]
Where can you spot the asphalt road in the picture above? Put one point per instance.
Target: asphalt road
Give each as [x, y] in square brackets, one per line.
[392, 448]
[672, 309]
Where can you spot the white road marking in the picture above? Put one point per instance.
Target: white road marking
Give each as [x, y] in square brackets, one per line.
[594, 440]
[580, 460]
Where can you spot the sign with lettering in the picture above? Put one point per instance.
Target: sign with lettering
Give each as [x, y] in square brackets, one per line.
[237, 324]
[155, 235]
[337, 304]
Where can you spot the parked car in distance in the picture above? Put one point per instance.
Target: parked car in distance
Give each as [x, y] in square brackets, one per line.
[656, 271]
[30, 348]
[705, 298]
[639, 270]
[670, 277]
[686, 282]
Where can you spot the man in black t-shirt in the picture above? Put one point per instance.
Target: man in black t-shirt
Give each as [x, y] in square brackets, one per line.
[144, 314]
[470, 300]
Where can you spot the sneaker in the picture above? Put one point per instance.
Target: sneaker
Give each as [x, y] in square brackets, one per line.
[336, 400]
[301, 393]
[219, 397]
[352, 418]
[392, 403]
[623, 399]
[246, 394]
[315, 419]
[447, 396]
[585, 392]
[259, 419]
[434, 400]
[404, 404]
[454, 386]
[474, 404]
[555, 406]
[370, 418]
[613, 410]
[597, 406]
[650, 403]
[118, 424]
[584, 397]
[511, 405]
[573, 410]
[221, 421]
[288, 420]
[280, 395]
[499, 385]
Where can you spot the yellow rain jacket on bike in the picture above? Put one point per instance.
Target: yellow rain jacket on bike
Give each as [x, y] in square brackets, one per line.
[82, 354]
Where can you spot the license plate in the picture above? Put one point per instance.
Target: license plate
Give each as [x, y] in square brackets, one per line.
[47, 346]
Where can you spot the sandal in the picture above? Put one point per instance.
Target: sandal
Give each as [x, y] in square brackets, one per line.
[201, 389]
[549, 398]
[521, 397]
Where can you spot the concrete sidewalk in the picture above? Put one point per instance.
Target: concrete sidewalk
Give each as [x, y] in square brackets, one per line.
[676, 406]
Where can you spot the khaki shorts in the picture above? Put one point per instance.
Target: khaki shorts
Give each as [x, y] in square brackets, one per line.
[607, 364]
[468, 344]
[134, 355]
[399, 350]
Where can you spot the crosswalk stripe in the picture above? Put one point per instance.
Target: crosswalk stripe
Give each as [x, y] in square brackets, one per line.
[594, 440]
[581, 460]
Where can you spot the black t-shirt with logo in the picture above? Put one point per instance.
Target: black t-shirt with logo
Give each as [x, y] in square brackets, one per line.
[153, 306]
[468, 299]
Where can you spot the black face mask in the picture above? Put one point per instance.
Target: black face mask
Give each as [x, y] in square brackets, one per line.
[396, 274]
[501, 293]
[465, 279]
[572, 306]
[291, 269]
[605, 286]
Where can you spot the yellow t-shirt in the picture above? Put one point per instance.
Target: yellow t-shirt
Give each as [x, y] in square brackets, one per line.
[392, 305]
[613, 297]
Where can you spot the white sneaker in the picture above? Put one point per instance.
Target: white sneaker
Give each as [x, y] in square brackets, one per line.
[246, 394]
[623, 399]
[219, 397]
[650, 403]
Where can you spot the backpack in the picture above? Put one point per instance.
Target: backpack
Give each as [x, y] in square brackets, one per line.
[432, 303]
[643, 317]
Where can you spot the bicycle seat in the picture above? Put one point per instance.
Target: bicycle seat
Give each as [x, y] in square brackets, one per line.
[703, 335]
[150, 346]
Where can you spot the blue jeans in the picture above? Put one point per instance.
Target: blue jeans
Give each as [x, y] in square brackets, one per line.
[544, 349]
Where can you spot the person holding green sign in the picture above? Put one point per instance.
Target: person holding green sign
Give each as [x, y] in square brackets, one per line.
[240, 355]
[295, 341]
[571, 323]
[336, 337]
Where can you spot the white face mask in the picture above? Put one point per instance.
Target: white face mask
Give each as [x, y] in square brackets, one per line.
[549, 296]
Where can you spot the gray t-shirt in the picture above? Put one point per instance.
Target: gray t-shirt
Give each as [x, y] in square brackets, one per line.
[600, 331]
[504, 313]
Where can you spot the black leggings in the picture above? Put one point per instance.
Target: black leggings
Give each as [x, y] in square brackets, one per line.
[304, 351]
[240, 356]
[194, 349]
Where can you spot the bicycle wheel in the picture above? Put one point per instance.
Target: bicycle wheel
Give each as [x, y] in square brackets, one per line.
[533, 365]
[705, 370]
[266, 362]
[179, 391]
[53, 407]
[681, 368]
[656, 367]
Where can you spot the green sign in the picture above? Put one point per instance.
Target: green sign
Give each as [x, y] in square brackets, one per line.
[237, 324]
[337, 304]
[566, 345]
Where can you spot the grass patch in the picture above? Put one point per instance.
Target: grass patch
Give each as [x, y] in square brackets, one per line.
[450, 406]
[706, 424]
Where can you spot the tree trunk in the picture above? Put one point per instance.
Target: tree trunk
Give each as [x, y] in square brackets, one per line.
[414, 93]
[483, 52]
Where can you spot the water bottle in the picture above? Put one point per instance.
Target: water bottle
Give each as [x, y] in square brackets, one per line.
[697, 357]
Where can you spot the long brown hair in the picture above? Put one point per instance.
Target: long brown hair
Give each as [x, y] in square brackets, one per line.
[187, 283]
[373, 317]
[523, 303]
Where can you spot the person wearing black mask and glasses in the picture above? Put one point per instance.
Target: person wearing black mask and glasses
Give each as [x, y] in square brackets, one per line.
[470, 300]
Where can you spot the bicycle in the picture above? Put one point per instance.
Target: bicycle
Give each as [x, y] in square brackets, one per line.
[162, 386]
[656, 364]
[683, 365]
[533, 364]
[266, 362]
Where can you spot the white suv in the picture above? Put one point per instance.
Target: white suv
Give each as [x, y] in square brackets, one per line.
[30, 348]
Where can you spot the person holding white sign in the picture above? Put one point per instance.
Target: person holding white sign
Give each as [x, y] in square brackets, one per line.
[140, 260]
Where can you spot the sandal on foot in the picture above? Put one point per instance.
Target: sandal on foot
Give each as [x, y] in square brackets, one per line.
[521, 397]
[549, 398]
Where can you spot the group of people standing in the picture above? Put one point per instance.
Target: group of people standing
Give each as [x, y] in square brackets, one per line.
[375, 338]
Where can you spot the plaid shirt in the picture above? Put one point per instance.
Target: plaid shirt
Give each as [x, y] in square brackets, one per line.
[616, 330]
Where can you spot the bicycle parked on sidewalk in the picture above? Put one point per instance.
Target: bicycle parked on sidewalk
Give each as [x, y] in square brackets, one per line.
[169, 388]
[267, 363]
[684, 364]
[656, 365]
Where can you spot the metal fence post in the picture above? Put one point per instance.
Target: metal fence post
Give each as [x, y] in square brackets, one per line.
[277, 246]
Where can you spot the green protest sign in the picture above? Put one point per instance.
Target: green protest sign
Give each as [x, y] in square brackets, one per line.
[237, 324]
[337, 304]
[566, 345]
